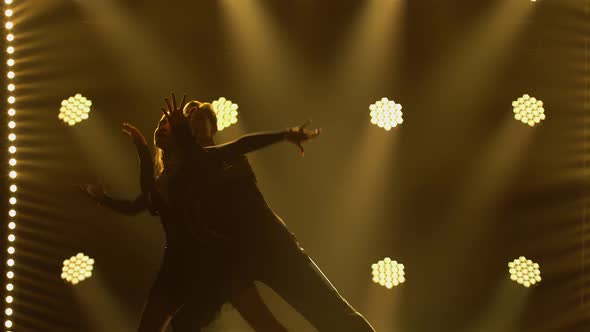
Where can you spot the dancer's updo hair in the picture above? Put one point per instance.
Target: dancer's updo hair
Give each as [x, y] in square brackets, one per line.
[194, 106]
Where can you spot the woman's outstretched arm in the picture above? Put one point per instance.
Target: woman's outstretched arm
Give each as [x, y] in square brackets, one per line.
[146, 180]
[256, 141]
[123, 206]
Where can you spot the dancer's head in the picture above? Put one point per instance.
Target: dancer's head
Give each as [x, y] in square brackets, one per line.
[163, 138]
[203, 121]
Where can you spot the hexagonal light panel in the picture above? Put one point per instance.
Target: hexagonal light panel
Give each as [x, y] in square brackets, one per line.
[528, 110]
[77, 268]
[388, 273]
[386, 114]
[524, 271]
[226, 111]
[74, 109]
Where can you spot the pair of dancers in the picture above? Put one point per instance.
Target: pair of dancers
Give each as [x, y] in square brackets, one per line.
[221, 236]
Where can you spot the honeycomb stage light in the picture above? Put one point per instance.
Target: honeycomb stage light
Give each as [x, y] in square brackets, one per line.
[529, 110]
[388, 273]
[77, 268]
[386, 114]
[525, 272]
[74, 109]
[226, 111]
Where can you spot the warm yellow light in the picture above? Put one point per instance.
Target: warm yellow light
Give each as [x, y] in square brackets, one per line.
[74, 109]
[12, 174]
[10, 87]
[11, 100]
[11, 237]
[8, 312]
[226, 111]
[9, 25]
[12, 225]
[10, 74]
[9, 274]
[528, 110]
[8, 323]
[10, 49]
[9, 287]
[12, 200]
[77, 268]
[524, 271]
[8, 12]
[10, 262]
[10, 37]
[13, 188]
[386, 114]
[388, 273]
[11, 137]
[8, 2]
[12, 149]
[12, 213]
[11, 124]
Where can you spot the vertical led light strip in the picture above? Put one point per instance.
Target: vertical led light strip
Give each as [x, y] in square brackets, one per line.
[11, 166]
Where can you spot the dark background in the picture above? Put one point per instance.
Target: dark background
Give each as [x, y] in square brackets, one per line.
[454, 194]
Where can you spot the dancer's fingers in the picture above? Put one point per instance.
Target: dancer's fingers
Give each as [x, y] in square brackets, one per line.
[169, 107]
[305, 124]
[174, 102]
[183, 102]
[315, 133]
[301, 148]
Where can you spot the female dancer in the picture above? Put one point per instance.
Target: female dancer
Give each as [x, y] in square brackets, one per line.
[265, 249]
[179, 278]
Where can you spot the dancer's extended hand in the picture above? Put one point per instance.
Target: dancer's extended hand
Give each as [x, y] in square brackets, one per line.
[174, 113]
[299, 135]
[96, 192]
[134, 133]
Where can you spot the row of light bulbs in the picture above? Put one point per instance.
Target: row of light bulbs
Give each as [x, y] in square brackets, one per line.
[12, 167]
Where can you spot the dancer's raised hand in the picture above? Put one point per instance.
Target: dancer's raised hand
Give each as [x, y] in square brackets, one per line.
[134, 133]
[299, 135]
[174, 113]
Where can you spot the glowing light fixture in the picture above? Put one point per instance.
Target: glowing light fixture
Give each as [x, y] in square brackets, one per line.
[226, 111]
[388, 273]
[524, 271]
[529, 110]
[386, 114]
[77, 268]
[74, 109]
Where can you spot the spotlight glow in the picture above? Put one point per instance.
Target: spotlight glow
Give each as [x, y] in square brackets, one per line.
[226, 111]
[386, 114]
[77, 268]
[524, 271]
[529, 110]
[388, 273]
[74, 109]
